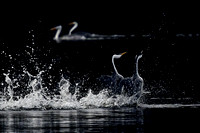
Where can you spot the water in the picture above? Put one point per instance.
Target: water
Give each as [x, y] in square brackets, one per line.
[83, 120]
[120, 120]
[53, 87]
[39, 98]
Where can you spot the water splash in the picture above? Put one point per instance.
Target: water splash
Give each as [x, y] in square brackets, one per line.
[10, 85]
[38, 98]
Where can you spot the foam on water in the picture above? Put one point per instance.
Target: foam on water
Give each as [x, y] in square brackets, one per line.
[39, 99]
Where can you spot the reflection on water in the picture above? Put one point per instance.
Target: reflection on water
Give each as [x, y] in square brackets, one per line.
[83, 120]
[129, 119]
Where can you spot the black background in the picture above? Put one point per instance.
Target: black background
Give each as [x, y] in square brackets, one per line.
[166, 57]
[101, 17]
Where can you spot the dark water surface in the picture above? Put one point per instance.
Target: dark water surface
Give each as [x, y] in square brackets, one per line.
[84, 120]
[101, 120]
